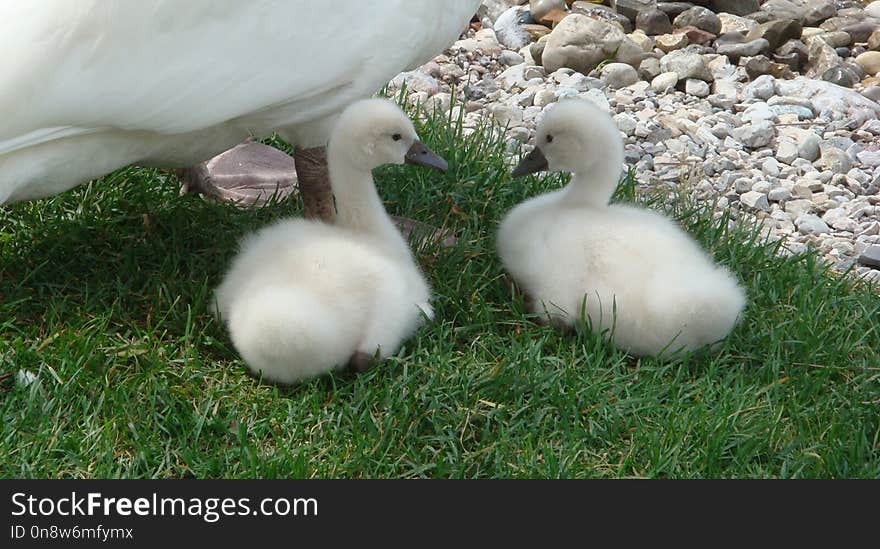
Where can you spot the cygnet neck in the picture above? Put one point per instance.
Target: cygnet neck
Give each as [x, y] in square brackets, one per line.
[594, 185]
[358, 205]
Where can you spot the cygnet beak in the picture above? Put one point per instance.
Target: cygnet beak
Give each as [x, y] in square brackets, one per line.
[534, 162]
[420, 155]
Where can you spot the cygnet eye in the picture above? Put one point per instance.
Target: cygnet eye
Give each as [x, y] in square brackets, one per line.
[549, 138]
[397, 137]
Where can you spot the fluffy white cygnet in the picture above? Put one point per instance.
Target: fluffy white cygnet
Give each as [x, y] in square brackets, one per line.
[304, 297]
[629, 272]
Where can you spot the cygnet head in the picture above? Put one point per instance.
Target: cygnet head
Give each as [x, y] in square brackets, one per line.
[576, 136]
[373, 132]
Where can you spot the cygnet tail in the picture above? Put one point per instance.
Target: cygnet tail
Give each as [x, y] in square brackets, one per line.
[287, 334]
[697, 309]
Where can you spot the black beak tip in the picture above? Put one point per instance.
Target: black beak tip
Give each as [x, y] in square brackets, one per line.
[420, 155]
[533, 162]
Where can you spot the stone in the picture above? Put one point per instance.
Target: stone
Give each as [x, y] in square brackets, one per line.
[787, 151]
[619, 75]
[540, 8]
[744, 49]
[699, 17]
[664, 82]
[779, 194]
[672, 42]
[734, 24]
[649, 68]
[871, 257]
[697, 88]
[869, 61]
[756, 134]
[808, 145]
[686, 65]
[755, 200]
[839, 76]
[248, 175]
[762, 88]
[821, 57]
[735, 7]
[811, 224]
[581, 43]
[631, 8]
[653, 22]
[776, 32]
[838, 219]
[836, 160]
[695, 35]
[798, 207]
[510, 58]
[874, 41]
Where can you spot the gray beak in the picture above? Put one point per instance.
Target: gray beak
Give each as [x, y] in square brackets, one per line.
[534, 162]
[420, 155]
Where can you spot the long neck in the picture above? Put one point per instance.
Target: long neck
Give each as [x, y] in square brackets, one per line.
[358, 206]
[594, 187]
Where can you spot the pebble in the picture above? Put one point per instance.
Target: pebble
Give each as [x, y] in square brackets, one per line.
[748, 120]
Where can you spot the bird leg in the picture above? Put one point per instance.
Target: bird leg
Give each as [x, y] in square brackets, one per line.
[361, 362]
[314, 183]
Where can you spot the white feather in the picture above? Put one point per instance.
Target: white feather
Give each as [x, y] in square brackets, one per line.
[302, 297]
[633, 273]
[171, 83]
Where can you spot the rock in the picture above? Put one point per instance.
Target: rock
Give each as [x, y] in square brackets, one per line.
[759, 65]
[821, 57]
[811, 224]
[733, 23]
[653, 22]
[762, 88]
[619, 75]
[798, 207]
[631, 8]
[874, 41]
[673, 9]
[603, 13]
[787, 151]
[839, 76]
[695, 35]
[838, 219]
[581, 43]
[649, 68]
[755, 200]
[506, 115]
[873, 9]
[836, 39]
[686, 65]
[860, 32]
[643, 40]
[835, 160]
[697, 88]
[756, 134]
[664, 82]
[699, 17]
[779, 194]
[540, 8]
[247, 175]
[735, 7]
[672, 42]
[869, 61]
[871, 257]
[776, 32]
[510, 58]
[744, 49]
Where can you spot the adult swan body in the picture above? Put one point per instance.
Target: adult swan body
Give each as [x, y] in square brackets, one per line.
[91, 86]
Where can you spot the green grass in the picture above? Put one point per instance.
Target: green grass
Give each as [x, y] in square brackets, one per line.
[105, 294]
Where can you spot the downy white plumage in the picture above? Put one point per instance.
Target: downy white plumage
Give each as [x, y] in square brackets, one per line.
[90, 86]
[304, 297]
[627, 270]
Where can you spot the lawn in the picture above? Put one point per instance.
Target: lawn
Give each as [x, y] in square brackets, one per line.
[105, 294]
